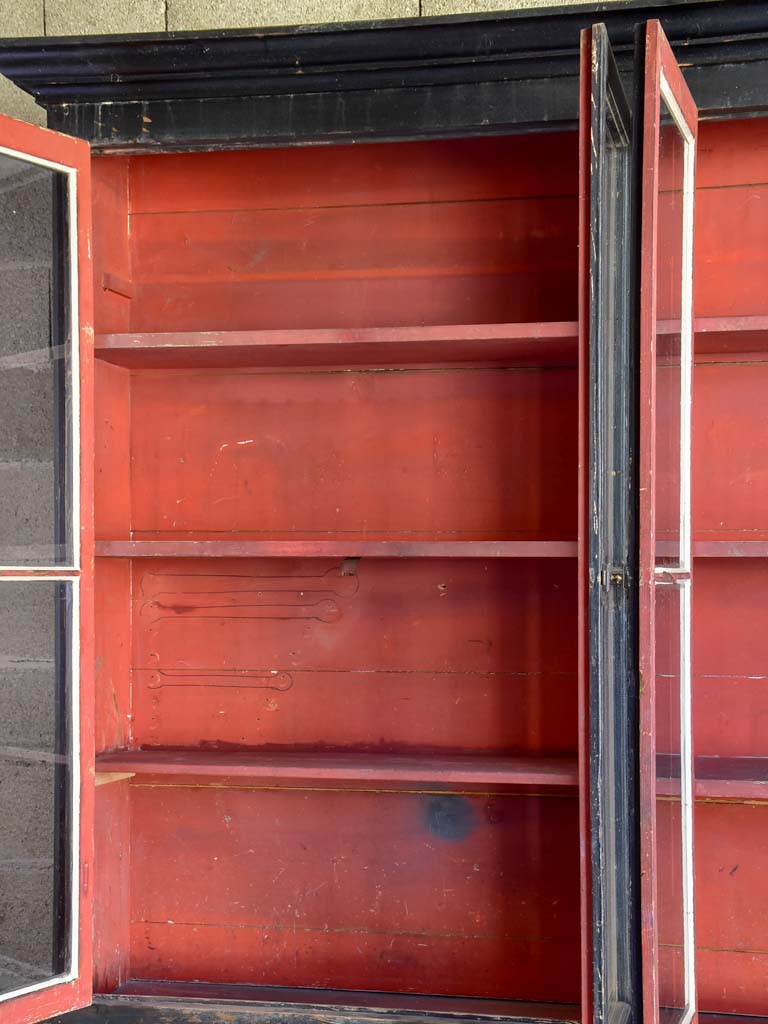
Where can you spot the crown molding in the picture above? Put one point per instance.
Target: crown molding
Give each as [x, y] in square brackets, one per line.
[418, 77]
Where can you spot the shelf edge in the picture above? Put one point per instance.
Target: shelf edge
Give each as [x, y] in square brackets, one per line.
[334, 549]
[392, 769]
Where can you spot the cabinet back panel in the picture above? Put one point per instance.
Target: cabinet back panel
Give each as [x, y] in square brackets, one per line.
[730, 655]
[730, 450]
[731, 257]
[434, 893]
[731, 152]
[731, 219]
[429, 655]
[443, 240]
[465, 231]
[433, 454]
[385, 302]
[437, 171]
[730, 501]
[732, 907]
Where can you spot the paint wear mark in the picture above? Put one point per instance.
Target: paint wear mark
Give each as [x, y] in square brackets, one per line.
[449, 817]
[333, 581]
[324, 610]
[242, 680]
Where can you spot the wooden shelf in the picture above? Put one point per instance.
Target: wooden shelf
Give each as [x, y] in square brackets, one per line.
[731, 778]
[721, 778]
[487, 344]
[730, 548]
[395, 769]
[540, 343]
[722, 335]
[389, 549]
[177, 1002]
[333, 549]
[726, 547]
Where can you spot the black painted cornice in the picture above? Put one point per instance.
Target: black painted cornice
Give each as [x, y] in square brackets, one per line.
[390, 79]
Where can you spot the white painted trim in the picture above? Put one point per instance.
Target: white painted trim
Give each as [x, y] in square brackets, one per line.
[40, 161]
[75, 784]
[65, 573]
[60, 979]
[683, 588]
[49, 572]
[686, 322]
[74, 322]
[683, 584]
[687, 801]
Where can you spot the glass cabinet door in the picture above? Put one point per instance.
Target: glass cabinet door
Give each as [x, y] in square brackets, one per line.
[610, 524]
[636, 300]
[666, 763]
[45, 574]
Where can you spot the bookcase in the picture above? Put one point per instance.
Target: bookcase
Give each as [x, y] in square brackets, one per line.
[383, 569]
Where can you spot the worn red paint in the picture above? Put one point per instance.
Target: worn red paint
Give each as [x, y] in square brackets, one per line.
[343, 700]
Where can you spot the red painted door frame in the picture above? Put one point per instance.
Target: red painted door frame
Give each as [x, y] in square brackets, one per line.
[24, 140]
[659, 61]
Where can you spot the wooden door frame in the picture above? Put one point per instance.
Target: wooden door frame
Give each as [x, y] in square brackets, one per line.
[660, 63]
[72, 157]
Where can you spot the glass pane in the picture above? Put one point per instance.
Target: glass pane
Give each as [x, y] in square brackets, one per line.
[35, 371]
[670, 836]
[669, 261]
[36, 758]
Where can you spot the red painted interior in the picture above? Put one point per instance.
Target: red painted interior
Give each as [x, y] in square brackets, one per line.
[386, 891]
[283, 653]
[410, 234]
[359, 759]
[730, 502]
[400, 455]
[438, 886]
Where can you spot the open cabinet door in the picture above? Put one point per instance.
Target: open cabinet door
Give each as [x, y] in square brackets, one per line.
[609, 531]
[46, 573]
[666, 799]
[636, 532]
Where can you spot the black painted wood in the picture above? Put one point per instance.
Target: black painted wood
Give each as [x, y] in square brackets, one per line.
[615, 143]
[464, 75]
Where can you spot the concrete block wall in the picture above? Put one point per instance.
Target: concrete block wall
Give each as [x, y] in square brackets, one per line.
[81, 17]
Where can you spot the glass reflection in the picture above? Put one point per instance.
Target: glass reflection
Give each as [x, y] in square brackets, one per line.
[35, 371]
[35, 781]
[669, 822]
[669, 267]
